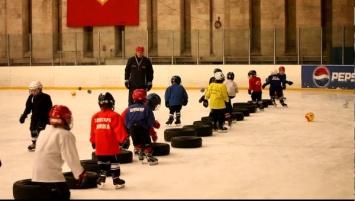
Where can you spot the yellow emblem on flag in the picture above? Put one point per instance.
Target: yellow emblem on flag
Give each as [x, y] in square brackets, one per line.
[102, 2]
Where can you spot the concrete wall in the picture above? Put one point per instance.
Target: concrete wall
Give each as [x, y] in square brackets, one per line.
[112, 76]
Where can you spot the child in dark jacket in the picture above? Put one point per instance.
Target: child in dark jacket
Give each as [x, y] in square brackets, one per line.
[175, 97]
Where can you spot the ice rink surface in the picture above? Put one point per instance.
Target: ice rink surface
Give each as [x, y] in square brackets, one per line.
[272, 154]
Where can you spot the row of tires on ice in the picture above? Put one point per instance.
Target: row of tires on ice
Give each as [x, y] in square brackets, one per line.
[188, 136]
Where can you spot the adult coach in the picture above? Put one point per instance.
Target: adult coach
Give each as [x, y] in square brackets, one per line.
[138, 73]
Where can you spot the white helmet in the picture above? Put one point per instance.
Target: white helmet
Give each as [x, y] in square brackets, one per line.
[219, 76]
[35, 85]
[274, 71]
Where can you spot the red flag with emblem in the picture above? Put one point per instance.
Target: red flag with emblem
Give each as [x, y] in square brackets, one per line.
[102, 12]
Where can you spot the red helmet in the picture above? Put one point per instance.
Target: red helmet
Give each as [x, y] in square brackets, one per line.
[139, 94]
[281, 68]
[139, 49]
[60, 115]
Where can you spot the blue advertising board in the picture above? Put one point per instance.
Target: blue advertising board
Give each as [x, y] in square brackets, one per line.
[329, 77]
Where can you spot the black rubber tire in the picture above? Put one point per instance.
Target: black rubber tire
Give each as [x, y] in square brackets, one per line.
[207, 119]
[265, 104]
[238, 115]
[90, 183]
[245, 112]
[240, 104]
[160, 149]
[26, 189]
[251, 108]
[186, 142]
[175, 132]
[268, 101]
[203, 123]
[124, 157]
[201, 130]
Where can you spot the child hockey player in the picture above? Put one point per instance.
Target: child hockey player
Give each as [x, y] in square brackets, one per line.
[175, 98]
[255, 89]
[277, 83]
[232, 89]
[283, 75]
[217, 93]
[153, 101]
[202, 99]
[139, 119]
[39, 104]
[107, 132]
[55, 147]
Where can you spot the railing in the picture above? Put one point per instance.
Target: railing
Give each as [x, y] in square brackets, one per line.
[272, 46]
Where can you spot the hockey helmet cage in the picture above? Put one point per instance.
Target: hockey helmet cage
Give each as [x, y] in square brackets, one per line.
[153, 101]
[106, 101]
[217, 70]
[274, 71]
[219, 76]
[60, 115]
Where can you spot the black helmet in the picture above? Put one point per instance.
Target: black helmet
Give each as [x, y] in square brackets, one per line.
[153, 101]
[251, 73]
[217, 70]
[230, 76]
[175, 79]
[106, 101]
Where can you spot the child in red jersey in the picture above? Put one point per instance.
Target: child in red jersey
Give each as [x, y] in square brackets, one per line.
[255, 89]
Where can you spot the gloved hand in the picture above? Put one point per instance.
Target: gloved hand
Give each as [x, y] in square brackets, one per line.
[166, 103]
[264, 86]
[126, 83]
[290, 83]
[149, 86]
[201, 99]
[205, 103]
[156, 124]
[93, 146]
[249, 92]
[82, 179]
[184, 102]
[153, 134]
[284, 87]
[0, 163]
[126, 143]
[22, 118]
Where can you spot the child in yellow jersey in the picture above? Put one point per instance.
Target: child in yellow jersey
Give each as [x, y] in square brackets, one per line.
[217, 93]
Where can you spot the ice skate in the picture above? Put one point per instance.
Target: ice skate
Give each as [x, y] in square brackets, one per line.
[101, 180]
[215, 128]
[177, 121]
[230, 121]
[151, 159]
[118, 183]
[32, 147]
[222, 129]
[170, 121]
[273, 102]
[282, 102]
[261, 105]
[139, 153]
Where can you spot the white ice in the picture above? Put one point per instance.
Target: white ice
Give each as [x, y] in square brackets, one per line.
[274, 154]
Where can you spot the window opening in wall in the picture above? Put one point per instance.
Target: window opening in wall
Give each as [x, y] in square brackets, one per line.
[186, 28]
[326, 16]
[152, 16]
[27, 27]
[119, 37]
[88, 42]
[291, 30]
[255, 27]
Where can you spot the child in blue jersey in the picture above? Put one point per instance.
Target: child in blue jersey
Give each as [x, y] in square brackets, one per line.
[139, 119]
[175, 97]
[277, 84]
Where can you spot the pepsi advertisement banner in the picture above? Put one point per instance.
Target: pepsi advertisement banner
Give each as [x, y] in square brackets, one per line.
[329, 77]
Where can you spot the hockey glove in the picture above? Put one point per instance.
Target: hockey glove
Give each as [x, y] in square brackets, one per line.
[22, 118]
[126, 83]
[264, 85]
[249, 92]
[156, 124]
[93, 146]
[290, 83]
[205, 103]
[153, 134]
[126, 143]
[201, 99]
[167, 104]
[149, 86]
[184, 102]
[82, 179]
